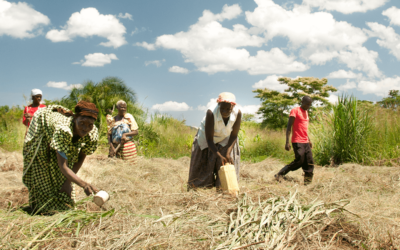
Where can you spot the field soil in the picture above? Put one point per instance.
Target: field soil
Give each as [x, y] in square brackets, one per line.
[151, 208]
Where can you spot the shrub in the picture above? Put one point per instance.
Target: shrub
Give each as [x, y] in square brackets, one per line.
[343, 133]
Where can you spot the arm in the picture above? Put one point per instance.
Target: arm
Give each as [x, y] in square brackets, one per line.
[124, 139]
[26, 118]
[112, 151]
[288, 131]
[210, 136]
[71, 176]
[310, 142]
[234, 135]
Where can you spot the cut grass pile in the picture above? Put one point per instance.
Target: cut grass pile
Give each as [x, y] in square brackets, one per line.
[150, 208]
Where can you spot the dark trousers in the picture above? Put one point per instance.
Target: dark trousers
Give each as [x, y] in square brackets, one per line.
[303, 159]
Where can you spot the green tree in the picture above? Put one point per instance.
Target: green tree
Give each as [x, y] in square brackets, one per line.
[392, 101]
[246, 117]
[105, 95]
[275, 106]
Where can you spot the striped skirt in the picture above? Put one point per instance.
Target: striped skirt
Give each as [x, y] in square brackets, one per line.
[127, 152]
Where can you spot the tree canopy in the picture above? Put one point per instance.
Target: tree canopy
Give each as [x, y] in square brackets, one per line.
[104, 95]
[392, 101]
[275, 106]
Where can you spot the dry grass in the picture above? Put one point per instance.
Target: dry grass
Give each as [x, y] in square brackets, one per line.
[151, 208]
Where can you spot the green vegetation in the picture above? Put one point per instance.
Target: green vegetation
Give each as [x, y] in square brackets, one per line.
[342, 135]
[11, 128]
[349, 131]
[258, 143]
[356, 131]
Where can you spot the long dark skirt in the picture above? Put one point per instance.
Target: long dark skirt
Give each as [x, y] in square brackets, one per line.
[204, 165]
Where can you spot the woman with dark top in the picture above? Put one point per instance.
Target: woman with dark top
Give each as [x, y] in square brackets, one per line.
[55, 148]
[216, 143]
[29, 111]
[120, 132]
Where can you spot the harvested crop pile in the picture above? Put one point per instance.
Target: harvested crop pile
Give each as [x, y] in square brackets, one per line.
[279, 223]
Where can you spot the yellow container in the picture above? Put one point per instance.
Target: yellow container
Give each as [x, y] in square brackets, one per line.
[227, 176]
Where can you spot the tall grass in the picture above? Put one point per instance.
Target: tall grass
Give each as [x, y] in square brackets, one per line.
[343, 134]
[172, 138]
[11, 128]
[260, 143]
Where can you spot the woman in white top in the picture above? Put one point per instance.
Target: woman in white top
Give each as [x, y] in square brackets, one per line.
[216, 143]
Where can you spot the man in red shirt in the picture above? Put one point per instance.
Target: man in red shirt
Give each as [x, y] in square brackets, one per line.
[30, 110]
[298, 119]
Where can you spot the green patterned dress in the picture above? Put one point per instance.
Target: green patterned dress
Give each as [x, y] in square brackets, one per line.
[48, 133]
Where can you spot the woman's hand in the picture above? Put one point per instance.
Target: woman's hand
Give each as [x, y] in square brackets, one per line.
[112, 151]
[223, 159]
[27, 115]
[124, 139]
[229, 158]
[66, 188]
[89, 189]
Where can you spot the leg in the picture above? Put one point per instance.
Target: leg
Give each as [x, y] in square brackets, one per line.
[294, 165]
[308, 165]
[201, 172]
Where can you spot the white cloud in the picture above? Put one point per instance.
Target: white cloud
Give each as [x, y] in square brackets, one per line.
[136, 31]
[210, 105]
[346, 6]
[89, 22]
[158, 63]
[148, 46]
[171, 106]
[97, 60]
[388, 38]
[177, 69]
[394, 15]
[379, 88]
[19, 20]
[213, 48]
[347, 86]
[63, 85]
[344, 74]
[271, 82]
[125, 16]
[249, 109]
[318, 35]
[333, 98]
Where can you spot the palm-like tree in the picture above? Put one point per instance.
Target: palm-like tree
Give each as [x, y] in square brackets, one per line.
[105, 95]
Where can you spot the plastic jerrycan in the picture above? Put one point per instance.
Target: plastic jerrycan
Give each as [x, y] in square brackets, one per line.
[227, 176]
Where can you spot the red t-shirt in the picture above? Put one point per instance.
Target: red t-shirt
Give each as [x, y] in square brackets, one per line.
[300, 125]
[31, 110]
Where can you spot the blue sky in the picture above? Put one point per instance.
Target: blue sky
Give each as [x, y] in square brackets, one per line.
[179, 55]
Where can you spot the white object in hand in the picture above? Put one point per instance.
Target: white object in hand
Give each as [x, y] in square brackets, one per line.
[100, 198]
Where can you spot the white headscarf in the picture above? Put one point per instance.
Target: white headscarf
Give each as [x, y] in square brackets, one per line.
[227, 97]
[36, 92]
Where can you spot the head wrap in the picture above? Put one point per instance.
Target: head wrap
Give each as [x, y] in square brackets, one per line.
[81, 109]
[227, 97]
[86, 109]
[36, 92]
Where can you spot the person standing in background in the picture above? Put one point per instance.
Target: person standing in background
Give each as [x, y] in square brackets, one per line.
[298, 123]
[30, 110]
